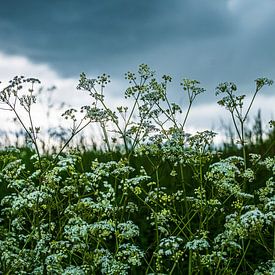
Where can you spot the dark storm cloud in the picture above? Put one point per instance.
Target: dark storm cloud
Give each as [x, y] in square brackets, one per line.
[205, 39]
[75, 34]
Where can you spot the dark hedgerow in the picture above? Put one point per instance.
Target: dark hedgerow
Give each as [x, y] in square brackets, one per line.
[167, 203]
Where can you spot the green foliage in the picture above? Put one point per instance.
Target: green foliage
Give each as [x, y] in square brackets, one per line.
[165, 203]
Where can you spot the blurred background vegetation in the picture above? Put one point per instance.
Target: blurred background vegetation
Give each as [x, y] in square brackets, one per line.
[260, 140]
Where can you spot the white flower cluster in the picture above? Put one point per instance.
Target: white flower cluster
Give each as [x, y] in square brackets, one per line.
[267, 268]
[130, 253]
[127, 230]
[197, 244]
[228, 175]
[64, 215]
[169, 246]
[252, 220]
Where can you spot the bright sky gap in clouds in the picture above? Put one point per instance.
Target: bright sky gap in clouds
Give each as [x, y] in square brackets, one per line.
[209, 40]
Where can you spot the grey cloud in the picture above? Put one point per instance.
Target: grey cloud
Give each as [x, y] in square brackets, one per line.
[90, 33]
[201, 39]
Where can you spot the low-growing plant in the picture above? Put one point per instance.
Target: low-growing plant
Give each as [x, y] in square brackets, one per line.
[169, 204]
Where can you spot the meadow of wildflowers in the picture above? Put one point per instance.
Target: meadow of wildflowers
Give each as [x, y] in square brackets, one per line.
[167, 203]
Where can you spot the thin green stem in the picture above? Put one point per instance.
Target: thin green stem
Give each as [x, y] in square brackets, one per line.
[105, 136]
[186, 115]
[156, 212]
[243, 144]
[250, 105]
[190, 263]
[236, 127]
[242, 259]
[184, 193]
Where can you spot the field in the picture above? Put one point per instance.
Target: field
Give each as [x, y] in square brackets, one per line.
[152, 199]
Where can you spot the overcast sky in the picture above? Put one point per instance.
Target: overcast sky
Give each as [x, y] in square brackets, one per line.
[209, 40]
